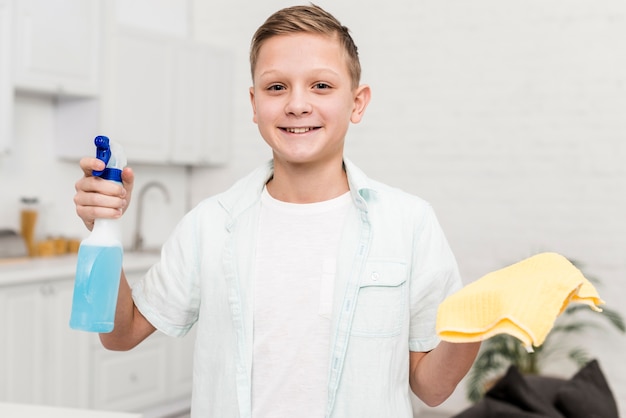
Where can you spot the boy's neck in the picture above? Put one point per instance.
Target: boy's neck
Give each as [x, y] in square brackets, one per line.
[304, 184]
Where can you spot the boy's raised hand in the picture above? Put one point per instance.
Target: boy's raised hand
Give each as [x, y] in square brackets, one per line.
[99, 198]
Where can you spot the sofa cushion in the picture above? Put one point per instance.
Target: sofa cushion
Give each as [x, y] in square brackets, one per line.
[511, 397]
[494, 408]
[515, 390]
[546, 386]
[587, 395]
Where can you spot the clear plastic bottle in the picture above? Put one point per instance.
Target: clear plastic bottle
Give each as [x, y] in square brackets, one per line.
[99, 263]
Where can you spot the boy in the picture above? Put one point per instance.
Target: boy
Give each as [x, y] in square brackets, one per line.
[314, 287]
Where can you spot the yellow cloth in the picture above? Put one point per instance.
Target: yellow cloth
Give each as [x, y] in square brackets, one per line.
[522, 300]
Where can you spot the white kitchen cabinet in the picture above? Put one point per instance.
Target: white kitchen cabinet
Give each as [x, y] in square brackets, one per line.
[170, 99]
[21, 362]
[6, 88]
[157, 372]
[201, 105]
[58, 46]
[44, 361]
[131, 380]
[67, 384]
[138, 112]
[166, 100]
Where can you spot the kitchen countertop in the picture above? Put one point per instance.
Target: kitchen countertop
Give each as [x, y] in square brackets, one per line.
[30, 270]
[11, 410]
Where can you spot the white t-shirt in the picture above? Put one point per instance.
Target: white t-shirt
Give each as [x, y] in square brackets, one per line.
[293, 292]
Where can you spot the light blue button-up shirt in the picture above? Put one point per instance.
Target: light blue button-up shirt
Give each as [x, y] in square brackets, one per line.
[394, 268]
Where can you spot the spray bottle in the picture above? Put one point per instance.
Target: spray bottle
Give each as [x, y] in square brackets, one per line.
[100, 256]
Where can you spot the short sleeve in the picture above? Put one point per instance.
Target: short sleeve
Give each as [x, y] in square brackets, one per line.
[434, 276]
[169, 295]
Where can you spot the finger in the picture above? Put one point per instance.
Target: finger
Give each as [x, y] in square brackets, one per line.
[88, 164]
[96, 197]
[100, 195]
[128, 180]
[89, 214]
[91, 206]
[97, 185]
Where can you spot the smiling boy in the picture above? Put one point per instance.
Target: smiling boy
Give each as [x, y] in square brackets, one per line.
[314, 288]
[304, 100]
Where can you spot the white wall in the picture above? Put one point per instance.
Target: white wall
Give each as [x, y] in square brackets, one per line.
[509, 116]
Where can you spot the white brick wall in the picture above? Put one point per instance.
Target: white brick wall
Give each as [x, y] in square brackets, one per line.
[509, 116]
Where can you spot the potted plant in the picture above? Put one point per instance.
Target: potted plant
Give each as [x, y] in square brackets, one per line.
[501, 351]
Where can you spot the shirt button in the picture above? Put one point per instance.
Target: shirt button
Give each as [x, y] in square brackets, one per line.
[375, 276]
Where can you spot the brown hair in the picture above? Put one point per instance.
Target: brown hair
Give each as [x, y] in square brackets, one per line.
[308, 19]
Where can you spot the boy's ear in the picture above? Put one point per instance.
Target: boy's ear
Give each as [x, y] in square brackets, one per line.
[253, 104]
[361, 100]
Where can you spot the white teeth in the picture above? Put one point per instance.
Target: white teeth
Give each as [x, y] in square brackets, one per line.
[298, 130]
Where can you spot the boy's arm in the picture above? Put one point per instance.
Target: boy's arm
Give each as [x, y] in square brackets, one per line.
[130, 327]
[434, 375]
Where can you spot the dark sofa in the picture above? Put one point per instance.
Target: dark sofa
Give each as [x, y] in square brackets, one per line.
[585, 395]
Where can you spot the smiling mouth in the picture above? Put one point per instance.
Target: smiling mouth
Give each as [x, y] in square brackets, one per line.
[299, 130]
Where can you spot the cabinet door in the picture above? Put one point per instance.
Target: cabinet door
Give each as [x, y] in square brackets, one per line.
[163, 375]
[42, 361]
[23, 342]
[201, 105]
[166, 100]
[140, 106]
[58, 46]
[131, 380]
[67, 351]
[6, 92]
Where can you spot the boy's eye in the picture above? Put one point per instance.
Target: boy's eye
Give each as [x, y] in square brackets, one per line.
[321, 86]
[276, 87]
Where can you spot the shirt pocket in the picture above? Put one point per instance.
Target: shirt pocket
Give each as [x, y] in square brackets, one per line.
[381, 301]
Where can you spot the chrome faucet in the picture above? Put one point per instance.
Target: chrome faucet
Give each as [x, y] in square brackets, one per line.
[138, 238]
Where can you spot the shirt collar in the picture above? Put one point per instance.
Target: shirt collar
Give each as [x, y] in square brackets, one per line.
[247, 191]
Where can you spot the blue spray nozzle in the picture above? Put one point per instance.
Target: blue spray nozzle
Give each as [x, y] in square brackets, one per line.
[103, 152]
[113, 156]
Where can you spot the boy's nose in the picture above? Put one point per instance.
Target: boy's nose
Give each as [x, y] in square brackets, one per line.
[298, 104]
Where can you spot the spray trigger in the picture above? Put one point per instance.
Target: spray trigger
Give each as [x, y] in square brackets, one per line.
[103, 152]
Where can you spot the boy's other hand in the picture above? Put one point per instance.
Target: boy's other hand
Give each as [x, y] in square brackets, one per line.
[99, 198]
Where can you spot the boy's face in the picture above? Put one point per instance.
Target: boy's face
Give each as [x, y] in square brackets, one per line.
[302, 98]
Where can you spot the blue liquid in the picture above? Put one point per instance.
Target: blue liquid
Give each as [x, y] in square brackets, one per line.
[95, 288]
